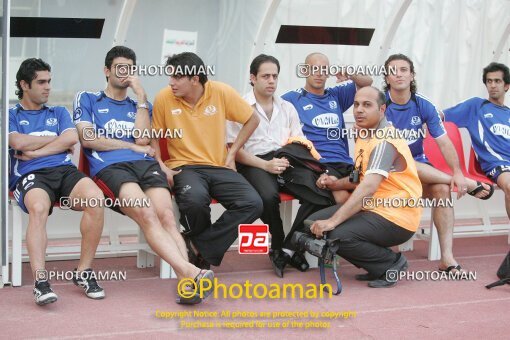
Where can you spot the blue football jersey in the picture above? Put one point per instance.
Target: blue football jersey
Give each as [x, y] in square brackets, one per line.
[111, 119]
[410, 117]
[322, 119]
[489, 127]
[48, 121]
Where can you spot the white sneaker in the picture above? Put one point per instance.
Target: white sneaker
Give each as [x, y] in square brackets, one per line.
[43, 293]
[87, 280]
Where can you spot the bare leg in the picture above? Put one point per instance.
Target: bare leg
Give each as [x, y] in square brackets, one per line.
[158, 238]
[504, 184]
[38, 205]
[443, 219]
[341, 196]
[92, 221]
[430, 175]
[162, 202]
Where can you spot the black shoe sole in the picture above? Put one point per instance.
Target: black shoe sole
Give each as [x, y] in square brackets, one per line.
[277, 271]
[365, 277]
[382, 285]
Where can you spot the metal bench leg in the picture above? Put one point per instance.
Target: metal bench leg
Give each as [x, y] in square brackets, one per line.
[17, 230]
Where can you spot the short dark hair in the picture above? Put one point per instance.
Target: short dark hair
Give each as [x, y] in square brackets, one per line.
[381, 97]
[188, 64]
[259, 60]
[119, 52]
[494, 67]
[399, 56]
[27, 72]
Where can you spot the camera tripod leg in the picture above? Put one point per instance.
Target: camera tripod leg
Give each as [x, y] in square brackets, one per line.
[322, 271]
[337, 279]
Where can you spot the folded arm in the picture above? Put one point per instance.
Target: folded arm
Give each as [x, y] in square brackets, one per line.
[60, 144]
[24, 142]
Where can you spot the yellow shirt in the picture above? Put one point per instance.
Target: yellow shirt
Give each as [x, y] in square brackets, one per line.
[201, 127]
[400, 185]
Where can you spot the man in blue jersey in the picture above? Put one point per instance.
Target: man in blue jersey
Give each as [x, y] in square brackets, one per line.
[41, 141]
[408, 111]
[488, 123]
[320, 111]
[115, 133]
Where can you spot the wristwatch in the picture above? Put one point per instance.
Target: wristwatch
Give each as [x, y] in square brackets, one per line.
[142, 106]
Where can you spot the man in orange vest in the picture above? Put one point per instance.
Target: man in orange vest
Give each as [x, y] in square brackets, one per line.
[382, 211]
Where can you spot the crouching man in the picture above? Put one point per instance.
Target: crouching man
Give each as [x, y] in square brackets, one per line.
[368, 223]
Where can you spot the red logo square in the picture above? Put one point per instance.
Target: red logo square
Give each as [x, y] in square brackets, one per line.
[253, 239]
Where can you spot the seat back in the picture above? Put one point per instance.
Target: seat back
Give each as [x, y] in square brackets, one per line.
[434, 154]
[474, 167]
[475, 170]
[163, 149]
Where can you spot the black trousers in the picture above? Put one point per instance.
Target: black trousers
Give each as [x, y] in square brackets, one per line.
[363, 240]
[194, 187]
[339, 170]
[269, 190]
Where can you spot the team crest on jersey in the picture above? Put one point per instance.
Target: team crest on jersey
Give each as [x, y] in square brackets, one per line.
[210, 110]
[176, 111]
[488, 115]
[332, 104]
[77, 113]
[131, 115]
[415, 120]
[51, 121]
[308, 107]
[24, 122]
[103, 110]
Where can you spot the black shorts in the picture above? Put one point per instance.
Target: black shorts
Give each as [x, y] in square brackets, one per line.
[339, 170]
[56, 181]
[147, 174]
[494, 173]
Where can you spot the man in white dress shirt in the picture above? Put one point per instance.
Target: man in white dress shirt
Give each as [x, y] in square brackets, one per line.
[256, 162]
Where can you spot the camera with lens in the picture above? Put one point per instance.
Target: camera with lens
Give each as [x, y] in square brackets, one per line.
[354, 176]
[316, 247]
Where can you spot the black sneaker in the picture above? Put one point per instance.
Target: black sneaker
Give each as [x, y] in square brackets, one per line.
[87, 280]
[299, 262]
[365, 277]
[43, 293]
[390, 278]
[195, 259]
[279, 260]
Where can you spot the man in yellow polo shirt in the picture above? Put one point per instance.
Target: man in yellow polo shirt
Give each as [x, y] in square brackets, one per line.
[382, 211]
[192, 112]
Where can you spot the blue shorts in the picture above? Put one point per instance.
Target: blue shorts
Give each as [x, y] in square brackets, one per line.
[494, 173]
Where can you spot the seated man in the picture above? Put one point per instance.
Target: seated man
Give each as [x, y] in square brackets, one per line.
[124, 167]
[200, 164]
[407, 111]
[321, 110]
[41, 140]
[488, 123]
[278, 122]
[366, 225]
